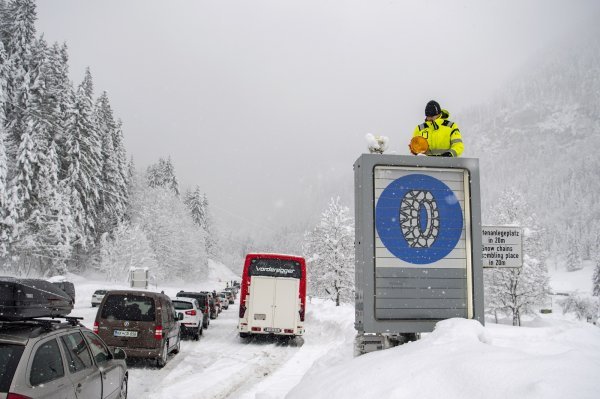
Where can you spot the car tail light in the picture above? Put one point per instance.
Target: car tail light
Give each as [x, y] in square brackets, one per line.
[96, 328]
[242, 310]
[256, 328]
[16, 396]
[158, 332]
[288, 331]
[190, 312]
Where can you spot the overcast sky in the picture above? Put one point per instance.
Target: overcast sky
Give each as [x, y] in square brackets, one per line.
[261, 102]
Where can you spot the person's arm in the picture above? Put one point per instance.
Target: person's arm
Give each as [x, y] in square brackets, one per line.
[456, 144]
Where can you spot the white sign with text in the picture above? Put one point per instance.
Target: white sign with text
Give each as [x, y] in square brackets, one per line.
[502, 246]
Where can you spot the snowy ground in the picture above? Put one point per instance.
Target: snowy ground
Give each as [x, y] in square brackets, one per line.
[553, 356]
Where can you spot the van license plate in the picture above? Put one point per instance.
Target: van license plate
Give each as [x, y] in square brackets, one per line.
[274, 330]
[260, 316]
[121, 333]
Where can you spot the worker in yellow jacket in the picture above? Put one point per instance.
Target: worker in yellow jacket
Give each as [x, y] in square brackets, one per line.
[442, 135]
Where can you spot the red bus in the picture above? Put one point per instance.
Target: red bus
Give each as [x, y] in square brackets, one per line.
[273, 295]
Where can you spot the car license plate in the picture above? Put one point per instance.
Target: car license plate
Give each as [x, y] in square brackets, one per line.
[274, 330]
[121, 333]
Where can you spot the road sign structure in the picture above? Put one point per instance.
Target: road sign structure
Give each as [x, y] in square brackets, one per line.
[416, 221]
[502, 246]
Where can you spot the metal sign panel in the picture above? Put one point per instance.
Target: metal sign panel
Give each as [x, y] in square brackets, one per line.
[502, 246]
[414, 235]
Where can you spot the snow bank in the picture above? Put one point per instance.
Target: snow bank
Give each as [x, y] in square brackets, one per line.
[462, 359]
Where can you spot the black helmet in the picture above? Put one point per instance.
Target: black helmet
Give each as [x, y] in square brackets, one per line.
[433, 108]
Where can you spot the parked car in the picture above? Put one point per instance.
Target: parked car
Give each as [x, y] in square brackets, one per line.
[42, 359]
[214, 310]
[143, 323]
[97, 297]
[234, 291]
[230, 296]
[203, 301]
[218, 302]
[224, 297]
[193, 317]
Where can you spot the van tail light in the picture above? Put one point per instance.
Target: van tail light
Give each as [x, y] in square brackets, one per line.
[158, 332]
[301, 313]
[242, 310]
[256, 328]
[16, 396]
[190, 312]
[288, 331]
[96, 328]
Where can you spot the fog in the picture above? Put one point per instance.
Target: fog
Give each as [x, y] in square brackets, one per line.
[265, 104]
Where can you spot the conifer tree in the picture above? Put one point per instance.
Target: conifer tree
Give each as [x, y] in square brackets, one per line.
[5, 229]
[112, 203]
[329, 249]
[516, 291]
[596, 276]
[83, 162]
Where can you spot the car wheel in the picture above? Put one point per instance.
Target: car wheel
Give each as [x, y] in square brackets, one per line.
[178, 346]
[164, 356]
[123, 393]
[198, 333]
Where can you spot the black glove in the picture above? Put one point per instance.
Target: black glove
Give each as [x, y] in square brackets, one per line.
[447, 154]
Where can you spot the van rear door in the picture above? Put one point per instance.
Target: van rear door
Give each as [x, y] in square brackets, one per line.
[128, 321]
[262, 296]
[286, 303]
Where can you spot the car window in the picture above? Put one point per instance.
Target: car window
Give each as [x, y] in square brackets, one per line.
[47, 364]
[180, 305]
[128, 307]
[9, 359]
[78, 355]
[99, 351]
[171, 312]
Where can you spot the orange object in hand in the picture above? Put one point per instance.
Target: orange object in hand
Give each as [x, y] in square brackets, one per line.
[418, 145]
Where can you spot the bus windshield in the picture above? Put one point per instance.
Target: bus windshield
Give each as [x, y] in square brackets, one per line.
[275, 268]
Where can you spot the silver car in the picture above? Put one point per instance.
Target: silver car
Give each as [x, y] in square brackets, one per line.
[50, 359]
[97, 297]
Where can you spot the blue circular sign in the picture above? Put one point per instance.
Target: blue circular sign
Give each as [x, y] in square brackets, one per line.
[418, 219]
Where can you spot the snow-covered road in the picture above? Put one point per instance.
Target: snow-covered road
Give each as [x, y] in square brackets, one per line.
[221, 365]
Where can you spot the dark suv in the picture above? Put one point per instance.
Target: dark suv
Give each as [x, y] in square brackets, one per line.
[143, 323]
[53, 359]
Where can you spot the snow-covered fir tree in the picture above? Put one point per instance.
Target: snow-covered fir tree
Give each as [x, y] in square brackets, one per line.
[197, 203]
[162, 174]
[127, 248]
[50, 151]
[596, 276]
[573, 261]
[517, 291]
[113, 197]
[5, 229]
[329, 250]
[83, 162]
[178, 243]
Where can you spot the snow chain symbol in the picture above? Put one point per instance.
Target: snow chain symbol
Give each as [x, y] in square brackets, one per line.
[419, 218]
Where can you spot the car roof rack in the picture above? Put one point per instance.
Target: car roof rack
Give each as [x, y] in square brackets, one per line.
[45, 323]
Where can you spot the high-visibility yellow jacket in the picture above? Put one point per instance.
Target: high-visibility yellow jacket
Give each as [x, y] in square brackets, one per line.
[442, 135]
